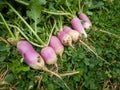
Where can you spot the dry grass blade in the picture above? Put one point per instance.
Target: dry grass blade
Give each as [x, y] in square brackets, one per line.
[111, 85]
[3, 74]
[4, 40]
[2, 77]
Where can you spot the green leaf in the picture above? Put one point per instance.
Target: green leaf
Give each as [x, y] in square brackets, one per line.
[23, 68]
[42, 2]
[95, 5]
[17, 67]
[50, 87]
[34, 12]
[87, 61]
[2, 58]
[9, 78]
[78, 76]
[4, 47]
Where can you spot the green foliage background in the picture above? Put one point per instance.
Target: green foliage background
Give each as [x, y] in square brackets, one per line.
[94, 74]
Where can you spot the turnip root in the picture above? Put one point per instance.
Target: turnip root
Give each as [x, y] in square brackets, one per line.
[77, 25]
[65, 38]
[24, 46]
[84, 17]
[87, 23]
[49, 56]
[74, 34]
[56, 45]
[32, 58]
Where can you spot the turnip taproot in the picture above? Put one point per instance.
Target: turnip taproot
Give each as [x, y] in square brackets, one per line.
[77, 25]
[74, 34]
[65, 38]
[56, 45]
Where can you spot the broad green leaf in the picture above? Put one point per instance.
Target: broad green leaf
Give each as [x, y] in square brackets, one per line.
[23, 68]
[42, 2]
[87, 61]
[4, 47]
[50, 87]
[34, 13]
[2, 58]
[9, 78]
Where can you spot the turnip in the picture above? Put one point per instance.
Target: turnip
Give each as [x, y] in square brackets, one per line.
[56, 45]
[35, 60]
[84, 17]
[65, 38]
[49, 56]
[24, 46]
[87, 23]
[74, 34]
[32, 58]
[77, 25]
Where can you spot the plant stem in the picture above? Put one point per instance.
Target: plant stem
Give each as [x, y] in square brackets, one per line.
[22, 2]
[7, 26]
[35, 26]
[71, 14]
[25, 36]
[56, 12]
[79, 5]
[37, 37]
[69, 7]
[35, 44]
[51, 33]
